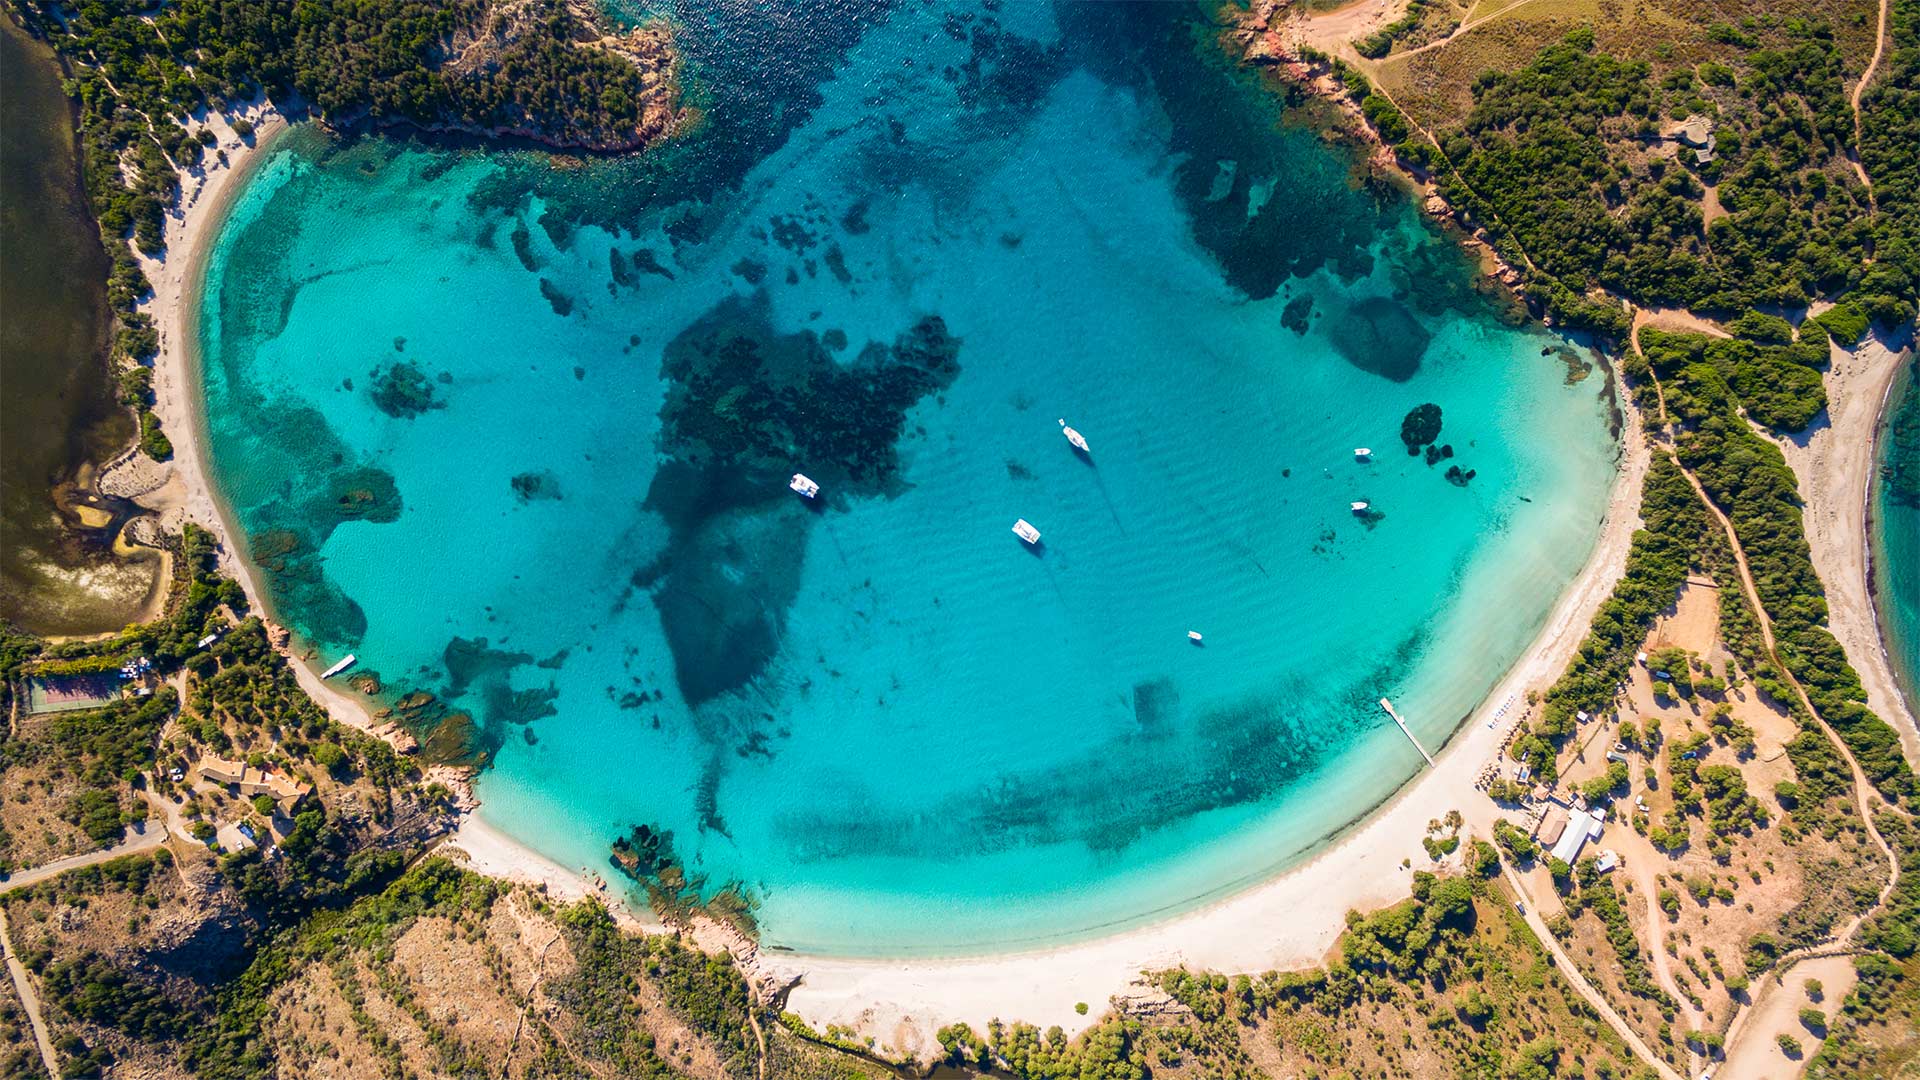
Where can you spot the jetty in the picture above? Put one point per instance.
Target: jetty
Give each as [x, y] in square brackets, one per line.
[343, 665]
[1407, 731]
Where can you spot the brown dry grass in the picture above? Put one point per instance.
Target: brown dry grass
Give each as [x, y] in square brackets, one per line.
[33, 799]
[1435, 86]
[1778, 876]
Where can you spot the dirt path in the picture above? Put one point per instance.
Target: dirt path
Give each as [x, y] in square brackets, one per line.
[1641, 865]
[1579, 982]
[28, 1001]
[1862, 790]
[141, 838]
[1465, 25]
[1859, 88]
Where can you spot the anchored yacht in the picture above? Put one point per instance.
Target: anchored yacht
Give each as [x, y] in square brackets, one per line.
[1078, 440]
[1026, 531]
[803, 485]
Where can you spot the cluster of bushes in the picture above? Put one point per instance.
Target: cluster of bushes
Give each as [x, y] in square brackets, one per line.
[703, 989]
[1550, 160]
[1466, 974]
[1747, 476]
[1381, 42]
[1408, 939]
[1890, 152]
[1658, 561]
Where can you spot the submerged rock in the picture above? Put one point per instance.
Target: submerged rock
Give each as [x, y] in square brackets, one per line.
[1381, 336]
[1459, 477]
[403, 391]
[1420, 426]
[746, 406]
[539, 485]
[1296, 315]
[561, 303]
[646, 854]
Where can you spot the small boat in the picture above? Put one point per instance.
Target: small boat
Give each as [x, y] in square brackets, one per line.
[1078, 440]
[339, 667]
[1359, 506]
[1194, 636]
[803, 485]
[1361, 453]
[1026, 531]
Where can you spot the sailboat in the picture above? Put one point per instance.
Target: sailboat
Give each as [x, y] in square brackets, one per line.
[1078, 440]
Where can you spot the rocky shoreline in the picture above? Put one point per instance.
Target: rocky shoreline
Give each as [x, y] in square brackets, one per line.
[1270, 37]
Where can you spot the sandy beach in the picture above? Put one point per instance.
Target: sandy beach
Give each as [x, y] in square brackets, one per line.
[1835, 464]
[181, 490]
[1290, 921]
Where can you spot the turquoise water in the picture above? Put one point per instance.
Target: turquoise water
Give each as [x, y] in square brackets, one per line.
[457, 395]
[1896, 531]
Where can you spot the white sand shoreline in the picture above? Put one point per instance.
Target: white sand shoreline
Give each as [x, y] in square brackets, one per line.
[1291, 920]
[188, 493]
[1836, 463]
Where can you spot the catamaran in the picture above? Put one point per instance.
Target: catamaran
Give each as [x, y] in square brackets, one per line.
[803, 485]
[1026, 531]
[1078, 440]
[343, 665]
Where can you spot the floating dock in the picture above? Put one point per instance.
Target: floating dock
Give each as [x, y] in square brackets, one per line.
[1388, 705]
[339, 667]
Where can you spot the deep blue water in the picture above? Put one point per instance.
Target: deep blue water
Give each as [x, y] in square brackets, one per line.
[517, 431]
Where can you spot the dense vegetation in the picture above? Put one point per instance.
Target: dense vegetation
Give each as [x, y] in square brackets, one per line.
[1565, 164]
[106, 749]
[1890, 151]
[1657, 564]
[1874, 1034]
[1746, 475]
[142, 73]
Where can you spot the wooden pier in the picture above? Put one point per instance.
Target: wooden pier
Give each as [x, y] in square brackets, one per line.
[1388, 705]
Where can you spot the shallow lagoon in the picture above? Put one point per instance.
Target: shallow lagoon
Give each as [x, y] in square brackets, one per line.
[457, 395]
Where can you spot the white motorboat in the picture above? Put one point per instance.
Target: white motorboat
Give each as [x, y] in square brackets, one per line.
[1194, 636]
[803, 485]
[1025, 531]
[1360, 506]
[1361, 453]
